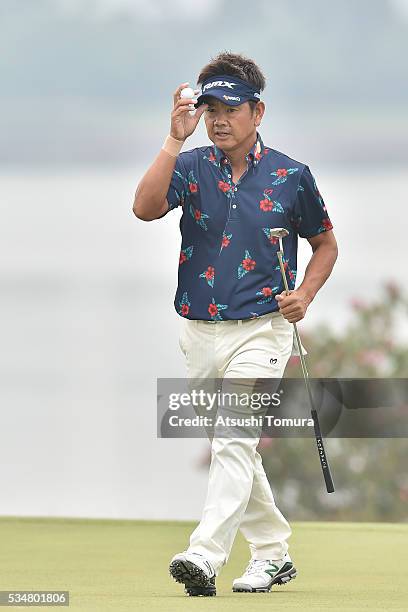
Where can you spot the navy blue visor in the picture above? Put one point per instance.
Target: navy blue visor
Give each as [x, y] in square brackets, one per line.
[228, 89]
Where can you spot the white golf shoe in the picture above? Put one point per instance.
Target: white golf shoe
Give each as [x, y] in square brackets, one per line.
[195, 572]
[260, 575]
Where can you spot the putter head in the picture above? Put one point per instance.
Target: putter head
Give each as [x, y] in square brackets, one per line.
[279, 232]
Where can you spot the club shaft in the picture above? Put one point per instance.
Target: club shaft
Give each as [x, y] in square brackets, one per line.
[318, 435]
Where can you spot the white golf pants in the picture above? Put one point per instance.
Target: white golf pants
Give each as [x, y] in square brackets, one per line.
[238, 494]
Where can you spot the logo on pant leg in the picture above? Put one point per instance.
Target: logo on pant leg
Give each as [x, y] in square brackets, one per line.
[273, 361]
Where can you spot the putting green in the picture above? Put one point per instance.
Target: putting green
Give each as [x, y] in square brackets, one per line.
[123, 565]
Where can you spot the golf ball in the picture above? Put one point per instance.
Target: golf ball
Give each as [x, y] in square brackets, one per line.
[188, 92]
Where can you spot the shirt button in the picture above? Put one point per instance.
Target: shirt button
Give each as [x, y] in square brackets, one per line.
[229, 176]
[234, 206]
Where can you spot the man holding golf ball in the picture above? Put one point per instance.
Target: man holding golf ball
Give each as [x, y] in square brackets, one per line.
[237, 317]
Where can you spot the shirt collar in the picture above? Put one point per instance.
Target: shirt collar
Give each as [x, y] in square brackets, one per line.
[253, 156]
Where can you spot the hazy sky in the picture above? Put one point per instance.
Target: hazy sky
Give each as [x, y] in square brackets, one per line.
[86, 82]
[156, 10]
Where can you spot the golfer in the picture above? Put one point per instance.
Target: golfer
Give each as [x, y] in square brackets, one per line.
[236, 317]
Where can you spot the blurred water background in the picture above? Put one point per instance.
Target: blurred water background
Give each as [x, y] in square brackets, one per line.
[88, 322]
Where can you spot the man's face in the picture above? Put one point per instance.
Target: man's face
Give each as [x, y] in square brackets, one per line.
[229, 126]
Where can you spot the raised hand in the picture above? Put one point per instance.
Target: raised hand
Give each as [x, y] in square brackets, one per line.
[182, 123]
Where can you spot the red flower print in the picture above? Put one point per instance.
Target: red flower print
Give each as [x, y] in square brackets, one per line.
[281, 172]
[268, 191]
[185, 309]
[265, 204]
[327, 224]
[212, 309]
[257, 155]
[223, 186]
[183, 257]
[212, 156]
[225, 241]
[193, 187]
[209, 272]
[273, 240]
[197, 215]
[248, 264]
[266, 291]
[266, 151]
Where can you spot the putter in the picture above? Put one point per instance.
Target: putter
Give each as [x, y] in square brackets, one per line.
[281, 232]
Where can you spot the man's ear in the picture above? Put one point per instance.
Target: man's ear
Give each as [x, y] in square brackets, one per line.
[258, 112]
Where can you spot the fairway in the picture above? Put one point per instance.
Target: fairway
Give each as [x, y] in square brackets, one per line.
[123, 565]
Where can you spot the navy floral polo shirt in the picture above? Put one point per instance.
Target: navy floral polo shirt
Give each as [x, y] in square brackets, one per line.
[228, 267]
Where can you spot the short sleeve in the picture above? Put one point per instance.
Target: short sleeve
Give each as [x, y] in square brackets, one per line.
[178, 191]
[309, 216]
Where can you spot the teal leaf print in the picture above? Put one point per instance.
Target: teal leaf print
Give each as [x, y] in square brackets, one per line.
[184, 305]
[269, 205]
[268, 232]
[277, 207]
[246, 265]
[185, 254]
[289, 273]
[226, 239]
[214, 310]
[325, 226]
[267, 294]
[212, 159]
[199, 217]
[282, 174]
[208, 274]
[226, 187]
[180, 197]
[192, 182]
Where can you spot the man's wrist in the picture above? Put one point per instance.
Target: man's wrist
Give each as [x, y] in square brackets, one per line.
[172, 145]
[307, 294]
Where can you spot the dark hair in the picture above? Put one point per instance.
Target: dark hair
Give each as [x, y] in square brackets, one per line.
[237, 65]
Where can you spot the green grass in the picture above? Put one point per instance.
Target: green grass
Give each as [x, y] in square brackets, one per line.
[123, 565]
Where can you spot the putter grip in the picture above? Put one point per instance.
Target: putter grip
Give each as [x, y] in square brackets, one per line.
[322, 454]
[282, 268]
